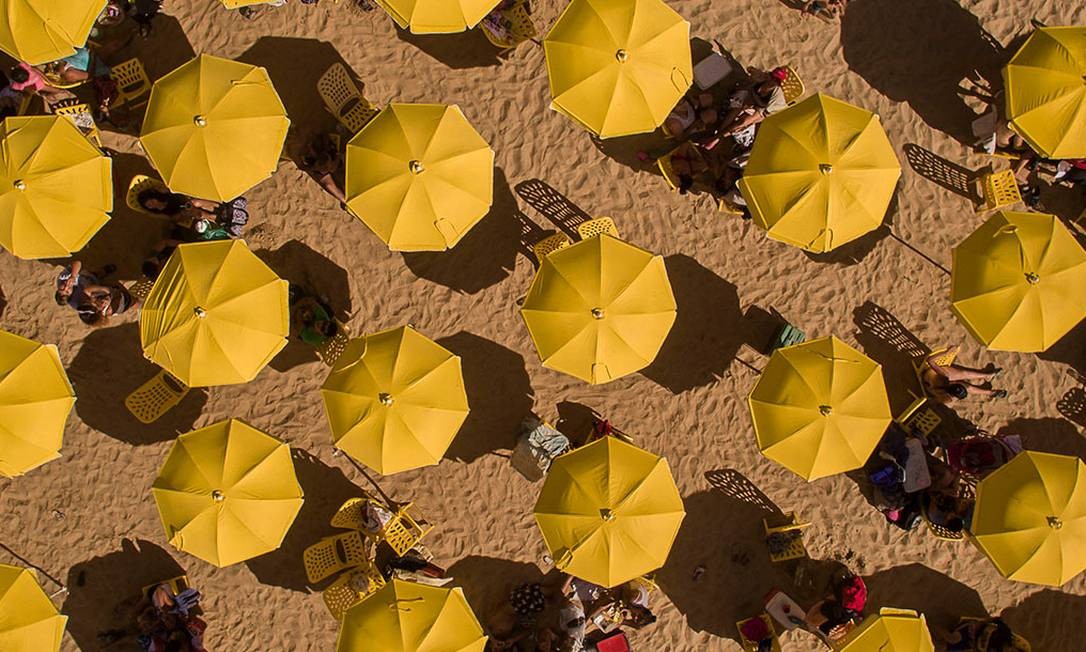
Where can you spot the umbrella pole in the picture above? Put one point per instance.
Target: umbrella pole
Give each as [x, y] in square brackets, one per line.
[27, 563]
[373, 482]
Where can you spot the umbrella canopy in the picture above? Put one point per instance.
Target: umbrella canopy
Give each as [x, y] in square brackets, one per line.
[1046, 94]
[227, 493]
[216, 314]
[819, 408]
[214, 128]
[821, 174]
[419, 176]
[1018, 282]
[890, 630]
[599, 309]
[409, 617]
[56, 188]
[35, 400]
[395, 400]
[609, 512]
[618, 67]
[1030, 518]
[29, 621]
[40, 31]
[437, 16]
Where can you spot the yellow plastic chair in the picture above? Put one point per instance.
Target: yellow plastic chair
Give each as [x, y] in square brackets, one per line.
[333, 554]
[351, 588]
[176, 584]
[403, 531]
[330, 350]
[939, 531]
[349, 514]
[132, 82]
[518, 25]
[343, 99]
[80, 114]
[785, 538]
[672, 179]
[998, 190]
[549, 245]
[56, 82]
[792, 86]
[943, 357]
[918, 417]
[156, 397]
[752, 646]
[597, 226]
[138, 184]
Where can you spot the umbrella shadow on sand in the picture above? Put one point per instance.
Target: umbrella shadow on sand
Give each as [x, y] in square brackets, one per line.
[484, 257]
[104, 593]
[722, 533]
[487, 581]
[469, 49]
[325, 488]
[940, 598]
[919, 52]
[708, 329]
[1048, 435]
[1045, 619]
[499, 394]
[108, 367]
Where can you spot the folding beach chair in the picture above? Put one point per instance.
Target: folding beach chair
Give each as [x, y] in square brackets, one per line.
[330, 555]
[156, 397]
[998, 190]
[549, 245]
[597, 226]
[133, 84]
[343, 99]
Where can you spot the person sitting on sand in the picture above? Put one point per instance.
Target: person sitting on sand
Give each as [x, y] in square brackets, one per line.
[324, 163]
[761, 97]
[28, 79]
[311, 319]
[845, 604]
[691, 116]
[208, 220]
[949, 510]
[102, 302]
[73, 281]
[953, 382]
[980, 635]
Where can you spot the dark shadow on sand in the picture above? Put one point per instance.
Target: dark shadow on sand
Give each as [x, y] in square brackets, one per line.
[1069, 350]
[944, 173]
[942, 599]
[325, 488]
[1048, 435]
[884, 339]
[1045, 618]
[707, 332]
[499, 394]
[468, 49]
[108, 367]
[104, 593]
[484, 257]
[487, 581]
[919, 52]
[553, 205]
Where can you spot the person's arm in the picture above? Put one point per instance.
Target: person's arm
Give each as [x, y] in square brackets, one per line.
[204, 204]
[328, 183]
[750, 119]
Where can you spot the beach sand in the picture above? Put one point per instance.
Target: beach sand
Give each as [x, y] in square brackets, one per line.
[88, 519]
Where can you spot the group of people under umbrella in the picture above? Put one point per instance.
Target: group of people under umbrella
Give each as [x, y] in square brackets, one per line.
[821, 173]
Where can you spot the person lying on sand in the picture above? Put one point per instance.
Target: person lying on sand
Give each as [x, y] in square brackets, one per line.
[761, 97]
[73, 281]
[102, 302]
[955, 383]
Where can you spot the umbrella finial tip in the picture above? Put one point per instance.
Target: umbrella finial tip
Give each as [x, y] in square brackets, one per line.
[218, 496]
[825, 410]
[622, 56]
[200, 121]
[19, 184]
[385, 399]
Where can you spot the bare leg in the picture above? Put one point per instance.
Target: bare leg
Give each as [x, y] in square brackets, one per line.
[954, 374]
[973, 390]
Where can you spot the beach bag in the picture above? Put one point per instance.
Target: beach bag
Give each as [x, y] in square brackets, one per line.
[537, 446]
[233, 216]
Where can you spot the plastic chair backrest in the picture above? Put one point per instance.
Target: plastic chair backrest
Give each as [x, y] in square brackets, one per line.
[330, 350]
[359, 115]
[155, 397]
[549, 245]
[349, 515]
[337, 89]
[403, 532]
[597, 226]
[792, 86]
[80, 115]
[999, 189]
[323, 558]
[138, 184]
[350, 588]
[131, 79]
[664, 164]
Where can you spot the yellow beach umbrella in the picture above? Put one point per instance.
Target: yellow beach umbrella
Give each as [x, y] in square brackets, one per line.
[227, 493]
[609, 512]
[214, 128]
[56, 188]
[821, 174]
[600, 309]
[40, 31]
[419, 176]
[216, 314]
[1030, 518]
[437, 16]
[819, 408]
[409, 617]
[29, 621]
[618, 67]
[395, 400]
[1018, 282]
[1046, 92]
[890, 630]
[35, 400]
